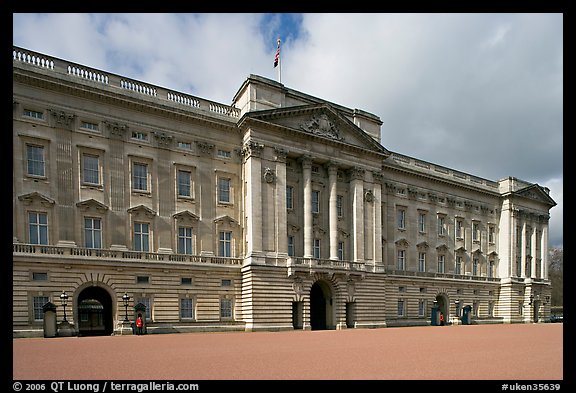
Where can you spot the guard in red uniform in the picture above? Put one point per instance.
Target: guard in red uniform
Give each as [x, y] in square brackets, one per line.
[139, 324]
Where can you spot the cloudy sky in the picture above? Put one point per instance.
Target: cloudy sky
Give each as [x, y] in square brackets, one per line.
[480, 93]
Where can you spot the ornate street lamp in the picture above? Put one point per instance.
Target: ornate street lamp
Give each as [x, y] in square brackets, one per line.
[126, 298]
[64, 300]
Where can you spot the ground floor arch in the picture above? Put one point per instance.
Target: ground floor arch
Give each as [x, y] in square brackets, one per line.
[321, 306]
[94, 312]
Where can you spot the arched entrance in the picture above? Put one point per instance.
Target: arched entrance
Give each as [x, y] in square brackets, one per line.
[443, 306]
[94, 312]
[321, 306]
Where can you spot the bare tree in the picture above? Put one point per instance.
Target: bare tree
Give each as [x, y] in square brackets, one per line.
[556, 274]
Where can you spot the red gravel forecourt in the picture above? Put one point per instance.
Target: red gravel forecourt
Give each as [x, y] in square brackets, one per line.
[465, 352]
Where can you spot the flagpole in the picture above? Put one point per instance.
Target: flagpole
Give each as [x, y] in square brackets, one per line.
[279, 63]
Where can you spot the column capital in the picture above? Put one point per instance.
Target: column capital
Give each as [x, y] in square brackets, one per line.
[305, 161]
[378, 177]
[357, 173]
[281, 154]
[331, 167]
[252, 148]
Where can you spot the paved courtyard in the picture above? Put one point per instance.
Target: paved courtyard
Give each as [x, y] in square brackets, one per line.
[473, 352]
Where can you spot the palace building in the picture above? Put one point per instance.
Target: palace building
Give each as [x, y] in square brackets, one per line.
[280, 211]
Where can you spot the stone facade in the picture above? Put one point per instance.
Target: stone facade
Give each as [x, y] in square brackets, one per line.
[281, 211]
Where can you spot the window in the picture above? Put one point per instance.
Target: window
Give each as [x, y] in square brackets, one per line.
[422, 222]
[315, 201]
[289, 197]
[401, 307]
[184, 145]
[459, 233]
[140, 177]
[401, 217]
[441, 263]
[225, 244]
[89, 126]
[186, 281]
[226, 282]
[401, 259]
[520, 308]
[475, 232]
[291, 246]
[91, 169]
[35, 160]
[36, 276]
[491, 269]
[458, 269]
[38, 228]
[92, 232]
[226, 308]
[316, 248]
[224, 154]
[142, 279]
[186, 308]
[148, 304]
[185, 240]
[341, 251]
[421, 261]
[38, 303]
[141, 236]
[339, 205]
[491, 234]
[224, 190]
[475, 265]
[141, 136]
[441, 226]
[421, 307]
[184, 183]
[33, 114]
[490, 308]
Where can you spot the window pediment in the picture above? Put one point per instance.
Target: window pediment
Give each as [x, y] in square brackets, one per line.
[36, 197]
[186, 215]
[225, 219]
[90, 204]
[141, 209]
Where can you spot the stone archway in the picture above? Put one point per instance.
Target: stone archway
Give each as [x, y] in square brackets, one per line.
[321, 306]
[94, 311]
[443, 305]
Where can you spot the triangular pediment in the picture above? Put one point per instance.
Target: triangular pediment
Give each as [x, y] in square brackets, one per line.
[537, 193]
[321, 121]
[92, 204]
[186, 215]
[141, 209]
[225, 219]
[36, 197]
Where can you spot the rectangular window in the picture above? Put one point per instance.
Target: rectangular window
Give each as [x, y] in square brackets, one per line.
[91, 169]
[401, 215]
[86, 125]
[315, 201]
[421, 307]
[475, 232]
[35, 160]
[225, 244]
[401, 260]
[316, 248]
[341, 251]
[459, 229]
[38, 304]
[140, 177]
[141, 136]
[291, 246]
[185, 240]
[39, 276]
[224, 154]
[422, 262]
[491, 234]
[186, 308]
[141, 236]
[33, 114]
[475, 266]
[224, 190]
[92, 232]
[38, 228]
[491, 269]
[400, 307]
[340, 205]
[184, 183]
[441, 226]
[458, 269]
[289, 197]
[184, 145]
[422, 222]
[226, 308]
[186, 281]
[148, 304]
[226, 282]
[142, 279]
[441, 263]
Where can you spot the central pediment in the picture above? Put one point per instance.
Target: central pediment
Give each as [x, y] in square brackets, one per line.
[317, 121]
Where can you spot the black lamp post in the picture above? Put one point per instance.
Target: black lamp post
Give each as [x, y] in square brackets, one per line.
[64, 300]
[126, 298]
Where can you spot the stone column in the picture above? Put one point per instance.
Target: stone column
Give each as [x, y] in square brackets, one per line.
[377, 218]
[544, 251]
[253, 171]
[523, 250]
[357, 192]
[333, 212]
[281, 213]
[533, 252]
[307, 175]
